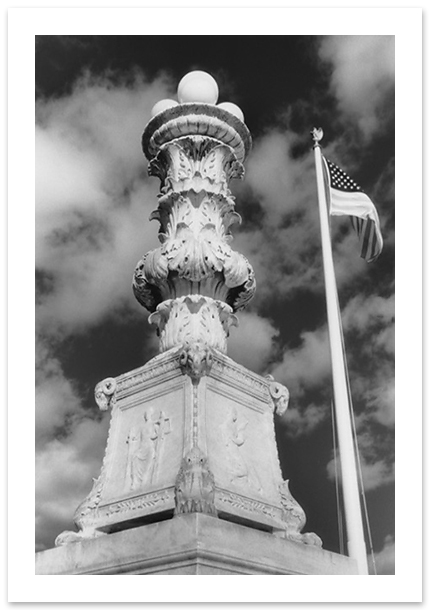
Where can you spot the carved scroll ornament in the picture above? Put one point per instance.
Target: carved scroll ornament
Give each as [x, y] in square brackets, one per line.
[279, 394]
[104, 393]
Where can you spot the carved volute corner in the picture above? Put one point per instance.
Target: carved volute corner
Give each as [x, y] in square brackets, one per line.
[104, 393]
[279, 394]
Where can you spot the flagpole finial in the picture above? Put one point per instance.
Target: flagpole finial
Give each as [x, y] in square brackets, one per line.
[317, 135]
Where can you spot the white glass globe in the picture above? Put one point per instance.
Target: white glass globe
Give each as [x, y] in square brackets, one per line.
[163, 105]
[198, 86]
[232, 108]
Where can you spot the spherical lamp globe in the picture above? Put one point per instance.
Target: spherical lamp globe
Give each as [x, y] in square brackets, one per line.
[232, 108]
[198, 86]
[163, 105]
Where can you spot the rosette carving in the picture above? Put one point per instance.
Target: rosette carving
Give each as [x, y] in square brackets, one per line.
[189, 264]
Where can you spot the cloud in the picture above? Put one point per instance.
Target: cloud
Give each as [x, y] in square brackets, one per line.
[252, 344]
[376, 450]
[93, 198]
[64, 472]
[306, 366]
[385, 558]
[368, 324]
[70, 443]
[375, 474]
[303, 421]
[362, 76]
[367, 314]
[274, 176]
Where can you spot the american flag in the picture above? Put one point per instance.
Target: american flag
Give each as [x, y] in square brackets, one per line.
[346, 198]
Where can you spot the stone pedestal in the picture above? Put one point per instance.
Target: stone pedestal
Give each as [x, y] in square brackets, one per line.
[191, 431]
[191, 481]
[192, 544]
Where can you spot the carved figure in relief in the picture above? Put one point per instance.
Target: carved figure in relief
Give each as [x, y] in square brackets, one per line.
[241, 472]
[195, 485]
[144, 446]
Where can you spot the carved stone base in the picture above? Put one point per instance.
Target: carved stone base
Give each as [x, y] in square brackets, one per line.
[191, 431]
[192, 544]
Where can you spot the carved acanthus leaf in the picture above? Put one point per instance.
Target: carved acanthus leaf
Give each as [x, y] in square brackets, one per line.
[193, 318]
[198, 163]
[194, 260]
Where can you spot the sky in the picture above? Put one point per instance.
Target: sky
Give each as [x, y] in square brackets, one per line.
[94, 95]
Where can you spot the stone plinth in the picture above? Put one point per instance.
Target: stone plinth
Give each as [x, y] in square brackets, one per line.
[191, 544]
[191, 431]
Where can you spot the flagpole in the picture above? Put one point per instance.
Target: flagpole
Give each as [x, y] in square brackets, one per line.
[348, 466]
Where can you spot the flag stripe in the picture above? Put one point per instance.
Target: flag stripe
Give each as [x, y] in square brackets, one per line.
[365, 240]
[345, 198]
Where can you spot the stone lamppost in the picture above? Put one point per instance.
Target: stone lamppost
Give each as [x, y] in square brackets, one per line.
[191, 441]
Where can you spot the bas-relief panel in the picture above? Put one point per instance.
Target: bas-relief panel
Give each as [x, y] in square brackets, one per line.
[148, 444]
[239, 446]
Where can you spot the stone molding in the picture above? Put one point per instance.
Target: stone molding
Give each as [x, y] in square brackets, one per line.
[192, 544]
